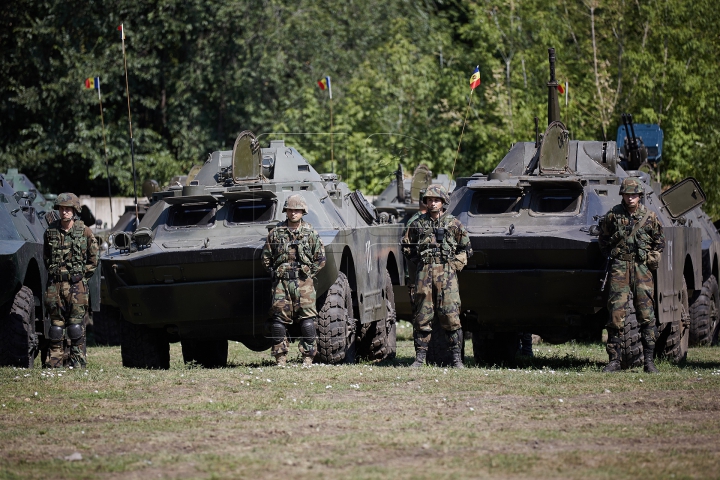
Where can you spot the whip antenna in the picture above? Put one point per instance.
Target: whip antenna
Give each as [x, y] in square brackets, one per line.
[132, 143]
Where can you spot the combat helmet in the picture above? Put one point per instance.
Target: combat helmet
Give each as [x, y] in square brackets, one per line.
[437, 190]
[295, 202]
[68, 199]
[631, 185]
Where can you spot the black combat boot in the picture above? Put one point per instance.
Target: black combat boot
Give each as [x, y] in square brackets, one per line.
[648, 341]
[613, 350]
[422, 340]
[455, 341]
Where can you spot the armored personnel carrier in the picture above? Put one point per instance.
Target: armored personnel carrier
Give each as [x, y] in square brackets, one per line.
[192, 271]
[23, 277]
[537, 267]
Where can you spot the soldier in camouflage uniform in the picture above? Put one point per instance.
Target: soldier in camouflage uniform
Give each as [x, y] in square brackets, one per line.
[71, 255]
[293, 255]
[438, 243]
[411, 267]
[633, 238]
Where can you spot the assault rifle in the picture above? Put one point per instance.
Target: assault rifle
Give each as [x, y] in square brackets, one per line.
[603, 281]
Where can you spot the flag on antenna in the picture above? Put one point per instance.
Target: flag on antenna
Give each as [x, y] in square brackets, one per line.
[325, 84]
[561, 88]
[475, 79]
[122, 31]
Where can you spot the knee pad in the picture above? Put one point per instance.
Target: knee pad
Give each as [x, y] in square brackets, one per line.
[277, 331]
[307, 328]
[56, 333]
[75, 331]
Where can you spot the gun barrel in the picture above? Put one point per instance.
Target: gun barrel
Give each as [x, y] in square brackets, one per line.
[553, 101]
[632, 129]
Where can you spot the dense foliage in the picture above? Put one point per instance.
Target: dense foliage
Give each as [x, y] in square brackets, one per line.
[200, 71]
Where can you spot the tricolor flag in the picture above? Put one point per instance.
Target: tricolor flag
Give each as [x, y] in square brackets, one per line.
[93, 83]
[325, 84]
[475, 79]
[122, 32]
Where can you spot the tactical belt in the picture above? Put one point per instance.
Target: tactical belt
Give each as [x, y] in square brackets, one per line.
[293, 273]
[435, 258]
[66, 277]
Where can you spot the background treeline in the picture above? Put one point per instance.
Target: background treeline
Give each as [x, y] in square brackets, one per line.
[200, 71]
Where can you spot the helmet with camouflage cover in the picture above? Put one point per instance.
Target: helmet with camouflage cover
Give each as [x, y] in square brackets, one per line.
[436, 190]
[68, 199]
[631, 185]
[295, 202]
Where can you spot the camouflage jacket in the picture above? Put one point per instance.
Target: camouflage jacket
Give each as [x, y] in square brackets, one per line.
[74, 252]
[616, 227]
[443, 239]
[409, 222]
[287, 250]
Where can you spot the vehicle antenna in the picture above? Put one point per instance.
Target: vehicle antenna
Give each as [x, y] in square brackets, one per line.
[474, 83]
[132, 144]
[107, 165]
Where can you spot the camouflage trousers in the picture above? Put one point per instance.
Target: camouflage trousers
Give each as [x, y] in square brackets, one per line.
[437, 293]
[293, 300]
[629, 277]
[67, 304]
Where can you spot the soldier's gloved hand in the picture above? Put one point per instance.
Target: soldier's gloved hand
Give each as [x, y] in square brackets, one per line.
[653, 259]
[76, 278]
[458, 261]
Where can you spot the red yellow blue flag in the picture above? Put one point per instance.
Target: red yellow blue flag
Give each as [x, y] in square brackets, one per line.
[475, 78]
[325, 84]
[93, 83]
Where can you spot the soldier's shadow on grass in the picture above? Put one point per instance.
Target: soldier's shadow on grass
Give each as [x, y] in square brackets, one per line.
[536, 363]
[698, 365]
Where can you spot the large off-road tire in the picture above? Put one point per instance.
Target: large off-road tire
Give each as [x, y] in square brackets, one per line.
[205, 353]
[631, 350]
[391, 319]
[675, 337]
[256, 343]
[704, 314]
[106, 325]
[18, 340]
[500, 349]
[378, 340]
[336, 326]
[144, 347]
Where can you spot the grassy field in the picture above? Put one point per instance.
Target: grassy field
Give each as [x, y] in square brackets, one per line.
[555, 416]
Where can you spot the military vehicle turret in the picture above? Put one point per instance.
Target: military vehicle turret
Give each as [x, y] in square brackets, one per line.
[537, 267]
[23, 276]
[192, 271]
[399, 201]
